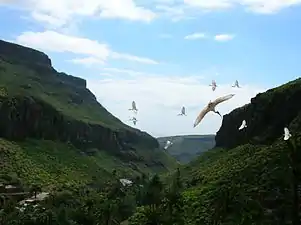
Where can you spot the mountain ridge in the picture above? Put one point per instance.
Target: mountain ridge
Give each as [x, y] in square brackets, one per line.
[37, 102]
[187, 147]
[266, 115]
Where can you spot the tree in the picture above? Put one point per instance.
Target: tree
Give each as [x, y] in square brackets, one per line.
[34, 189]
[294, 156]
[173, 201]
[153, 192]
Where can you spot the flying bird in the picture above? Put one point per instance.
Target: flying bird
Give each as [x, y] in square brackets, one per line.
[183, 112]
[134, 108]
[243, 125]
[168, 144]
[213, 85]
[134, 120]
[287, 134]
[236, 84]
[211, 107]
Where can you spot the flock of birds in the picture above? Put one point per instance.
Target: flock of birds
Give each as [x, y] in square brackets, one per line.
[210, 107]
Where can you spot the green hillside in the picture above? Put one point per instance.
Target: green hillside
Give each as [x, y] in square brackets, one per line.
[53, 129]
[252, 177]
[187, 147]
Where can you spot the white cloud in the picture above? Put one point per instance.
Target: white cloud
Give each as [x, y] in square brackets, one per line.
[195, 36]
[256, 6]
[61, 12]
[212, 4]
[223, 37]
[50, 20]
[174, 12]
[159, 101]
[129, 57]
[92, 49]
[124, 71]
[138, 74]
[89, 61]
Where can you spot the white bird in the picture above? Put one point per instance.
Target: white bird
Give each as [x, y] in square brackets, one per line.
[213, 85]
[134, 120]
[183, 112]
[236, 84]
[243, 125]
[287, 134]
[134, 108]
[211, 107]
[168, 144]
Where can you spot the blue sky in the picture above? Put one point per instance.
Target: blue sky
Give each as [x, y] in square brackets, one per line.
[139, 51]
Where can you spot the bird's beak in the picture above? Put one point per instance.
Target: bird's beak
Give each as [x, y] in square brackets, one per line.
[219, 113]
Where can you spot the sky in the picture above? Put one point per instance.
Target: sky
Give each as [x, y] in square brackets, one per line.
[163, 54]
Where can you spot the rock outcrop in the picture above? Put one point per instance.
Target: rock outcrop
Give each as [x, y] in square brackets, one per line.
[266, 116]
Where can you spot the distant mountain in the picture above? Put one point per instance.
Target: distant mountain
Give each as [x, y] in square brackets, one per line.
[187, 147]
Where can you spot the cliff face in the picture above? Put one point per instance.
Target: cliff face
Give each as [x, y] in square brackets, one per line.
[22, 55]
[266, 116]
[39, 102]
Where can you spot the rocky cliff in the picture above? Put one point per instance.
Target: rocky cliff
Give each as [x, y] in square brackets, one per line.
[266, 116]
[39, 102]
[253, 175]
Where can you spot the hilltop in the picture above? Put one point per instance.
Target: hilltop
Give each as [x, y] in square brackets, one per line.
[53, 129]
[187, 147]
[266, 116]
[251, 176]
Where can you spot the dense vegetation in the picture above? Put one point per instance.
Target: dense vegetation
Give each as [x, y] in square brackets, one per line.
[187, 147]
[37, 103]
[54, 134]
[251, 177]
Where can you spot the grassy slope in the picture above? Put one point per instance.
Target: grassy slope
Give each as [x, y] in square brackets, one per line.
[49, 87]
[249, 184]
[186, 148]
[245, 183]
[51, 162]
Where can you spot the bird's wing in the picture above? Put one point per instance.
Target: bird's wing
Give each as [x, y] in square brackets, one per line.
[222, 99]
[242, 125]
[183, 110]
[201, 116]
